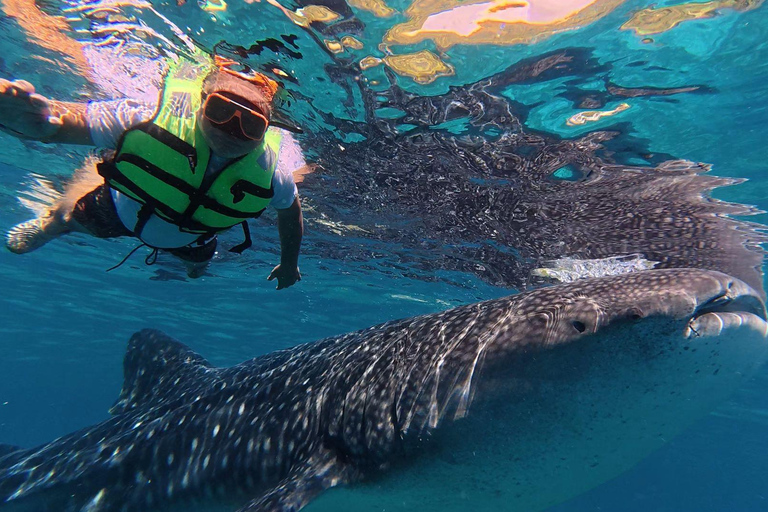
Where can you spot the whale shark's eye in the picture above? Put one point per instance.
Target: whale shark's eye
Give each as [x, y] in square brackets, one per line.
[579, 326]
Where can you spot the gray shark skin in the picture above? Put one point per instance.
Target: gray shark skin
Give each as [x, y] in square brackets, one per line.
[510, 404]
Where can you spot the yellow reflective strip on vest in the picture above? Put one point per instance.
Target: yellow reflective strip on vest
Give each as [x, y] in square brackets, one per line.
[182, 99]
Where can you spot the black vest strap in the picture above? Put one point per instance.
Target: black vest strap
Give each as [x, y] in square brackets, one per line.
[170, 140]
[145, 212]
[109, 172]
[158, 173]
[241, 187]
[239, 248]
[214, 205]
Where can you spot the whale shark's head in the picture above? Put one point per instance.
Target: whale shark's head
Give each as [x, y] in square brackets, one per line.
[702, 303]
[576, 383]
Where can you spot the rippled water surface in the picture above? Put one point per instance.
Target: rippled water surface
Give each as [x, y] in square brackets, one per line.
[455, 149]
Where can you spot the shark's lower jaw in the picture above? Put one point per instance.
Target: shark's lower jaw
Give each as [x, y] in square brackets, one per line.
[716, 323]
[739, 306]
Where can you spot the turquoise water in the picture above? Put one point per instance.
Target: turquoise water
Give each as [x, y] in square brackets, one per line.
[64, 321]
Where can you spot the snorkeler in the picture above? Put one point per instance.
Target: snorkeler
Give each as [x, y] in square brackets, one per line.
[206, 159]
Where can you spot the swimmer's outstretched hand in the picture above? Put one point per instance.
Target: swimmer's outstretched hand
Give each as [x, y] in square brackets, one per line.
[26, 114]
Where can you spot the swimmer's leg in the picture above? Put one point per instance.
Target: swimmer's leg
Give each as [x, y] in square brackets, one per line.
[35, 233]
[85, 206]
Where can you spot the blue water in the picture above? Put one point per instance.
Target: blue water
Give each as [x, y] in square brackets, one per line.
[64, 321]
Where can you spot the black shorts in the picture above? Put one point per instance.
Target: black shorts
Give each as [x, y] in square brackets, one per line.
[198, 252]
[96, 212]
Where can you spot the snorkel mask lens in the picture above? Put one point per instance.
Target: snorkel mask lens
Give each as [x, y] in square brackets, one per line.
[219, 109]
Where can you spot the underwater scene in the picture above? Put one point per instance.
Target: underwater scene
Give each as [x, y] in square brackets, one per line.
[518, 249]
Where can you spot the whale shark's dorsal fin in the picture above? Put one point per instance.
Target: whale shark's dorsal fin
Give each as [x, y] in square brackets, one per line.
[158, 369]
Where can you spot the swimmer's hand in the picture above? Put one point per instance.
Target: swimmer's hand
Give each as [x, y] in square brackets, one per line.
[26, 114]
[286, 276]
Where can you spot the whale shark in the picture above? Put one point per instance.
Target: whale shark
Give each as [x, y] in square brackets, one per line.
[516, 403]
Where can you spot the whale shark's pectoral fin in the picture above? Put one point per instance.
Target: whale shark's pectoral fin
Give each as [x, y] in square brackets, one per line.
[158, 369]
[304, 484]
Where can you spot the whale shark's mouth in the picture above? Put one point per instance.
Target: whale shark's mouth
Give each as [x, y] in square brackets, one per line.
[731, 309]
[728, 303]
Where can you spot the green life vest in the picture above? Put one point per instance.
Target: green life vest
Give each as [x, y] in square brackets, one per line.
[162, 164]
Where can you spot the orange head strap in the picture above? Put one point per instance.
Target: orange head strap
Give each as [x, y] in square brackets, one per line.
[266, 85]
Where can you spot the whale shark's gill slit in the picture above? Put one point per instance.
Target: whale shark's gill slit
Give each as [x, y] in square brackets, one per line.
[408, 393]
[365, 391]
[382, 426]
[437, 410]
[467, 389]
[395, 420]
[330, 411]
[434, 410]
[548, 319]
[403, 363]
[464, 390]
[433, 416]
[414, 390]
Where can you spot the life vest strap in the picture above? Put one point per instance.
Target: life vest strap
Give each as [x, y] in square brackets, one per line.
[213, 205]
[156, 172]
[172, 141]
[116, 180]
[245, 244]
[241, 187]
[145, 213]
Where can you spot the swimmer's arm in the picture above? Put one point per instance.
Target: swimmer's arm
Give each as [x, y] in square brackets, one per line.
[290, 225]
